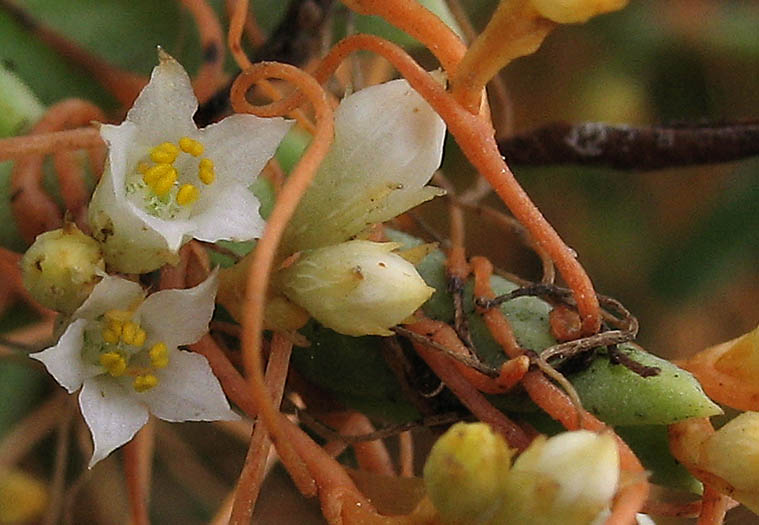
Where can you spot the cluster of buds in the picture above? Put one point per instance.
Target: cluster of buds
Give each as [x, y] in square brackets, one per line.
[570, 478]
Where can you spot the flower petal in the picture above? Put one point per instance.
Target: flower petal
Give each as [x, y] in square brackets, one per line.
[179, 317]
[163, 111]
[187, 391]
[388, 143]
[110, 293]
[114, 417]
[241, 145]
[64, 360]
[227, 213]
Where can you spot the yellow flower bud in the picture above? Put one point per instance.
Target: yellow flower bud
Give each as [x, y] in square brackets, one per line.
[356, 287]
[570, 479]
[22, 497]
[573, 11]
[732, 453]
[61, 267]
[465, 473]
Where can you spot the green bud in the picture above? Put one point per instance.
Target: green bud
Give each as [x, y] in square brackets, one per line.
[61, 268]
[465, 473]
[356, 287]
[19, 108]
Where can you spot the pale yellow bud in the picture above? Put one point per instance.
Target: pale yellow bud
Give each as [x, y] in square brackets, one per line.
[22, 497]
[356, 287]
[570, 479]
[573, 11]
[61, 267]
[465, 473]
[732, 453]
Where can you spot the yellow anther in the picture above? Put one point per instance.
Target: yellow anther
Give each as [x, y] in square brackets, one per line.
[154, 173]
[139, 337]
[110, 336]
[164, 153]
[191, 146]
[142, 167]
[145, 382]
[121, 316]
[129, 332]
[206, 172]
[114, 363]
[164, 184]
[187, 194]
[159, 355]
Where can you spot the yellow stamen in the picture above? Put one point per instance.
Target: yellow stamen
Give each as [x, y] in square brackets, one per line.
[145, 382]
[193, 147]
[165, 183]
[143, 167]
[110, 336]
[114, 363]
[159, 355]
[120, 316]
[139, 337]
[206, 172]
[187, 194]
[164, 153]
[129, 332]
[154, 173]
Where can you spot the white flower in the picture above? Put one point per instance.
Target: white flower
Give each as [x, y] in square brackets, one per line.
[122, 350]
[167, 181]
[388, 144]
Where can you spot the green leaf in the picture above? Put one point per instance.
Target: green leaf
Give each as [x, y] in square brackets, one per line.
[619, 396]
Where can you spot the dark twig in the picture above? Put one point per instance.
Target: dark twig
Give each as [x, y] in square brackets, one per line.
[633, 148]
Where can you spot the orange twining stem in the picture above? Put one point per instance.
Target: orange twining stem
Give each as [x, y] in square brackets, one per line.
[44, 143]
[560, 407]
[475, 138]
[420, 23]
[211, 72]
[460, 385]
[252, 320]
[136, 452]
[714, 507]
[33, 209]
[250, 27]
[371, 456]
[254, 469]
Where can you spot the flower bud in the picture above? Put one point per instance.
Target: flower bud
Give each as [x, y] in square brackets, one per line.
[19, 107]
[22, 497]
[61, 268]
[574, 11]
[356, 287]
[732, 453]
[568, 479]
[465, 473]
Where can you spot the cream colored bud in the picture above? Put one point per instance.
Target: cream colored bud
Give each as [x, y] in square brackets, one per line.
[22, 497]
[570, 479]
[574, 11]
[732, 453]
[465, 473]
[61, 268]
[356, 287]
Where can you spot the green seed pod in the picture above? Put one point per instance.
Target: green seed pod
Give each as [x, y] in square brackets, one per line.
[61, 267]
[465, 473]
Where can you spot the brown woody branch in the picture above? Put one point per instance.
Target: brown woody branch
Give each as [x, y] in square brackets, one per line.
[633, 148]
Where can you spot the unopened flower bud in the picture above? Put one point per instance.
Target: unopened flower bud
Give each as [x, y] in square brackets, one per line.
[568, 479]
[732, 453]
[465, 473]
[22, 497]
[356, 287]
[61, 268]
[574, 11]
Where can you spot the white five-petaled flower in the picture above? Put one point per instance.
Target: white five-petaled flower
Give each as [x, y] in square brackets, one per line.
[122, 350]
[167, 181]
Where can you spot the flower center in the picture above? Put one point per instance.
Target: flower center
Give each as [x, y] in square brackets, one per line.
[117, 343]
[167, 185]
